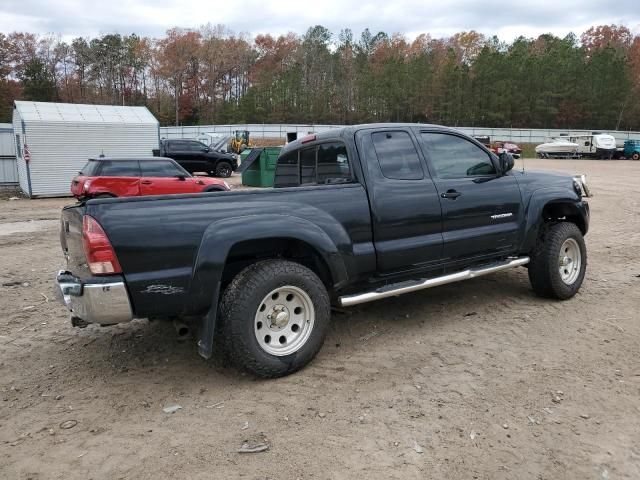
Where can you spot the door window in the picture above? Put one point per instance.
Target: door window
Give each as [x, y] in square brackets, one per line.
[159, 168]
[397, 155]
[118, 168]
[456, 157]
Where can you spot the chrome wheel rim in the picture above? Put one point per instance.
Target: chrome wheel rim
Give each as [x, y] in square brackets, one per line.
[284, 320]
[569, 261]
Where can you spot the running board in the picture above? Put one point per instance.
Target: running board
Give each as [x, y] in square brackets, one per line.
[407, 287]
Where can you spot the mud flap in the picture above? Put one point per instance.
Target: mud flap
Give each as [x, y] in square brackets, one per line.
[208, 327]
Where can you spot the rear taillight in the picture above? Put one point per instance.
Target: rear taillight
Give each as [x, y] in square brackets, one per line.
[101, 257]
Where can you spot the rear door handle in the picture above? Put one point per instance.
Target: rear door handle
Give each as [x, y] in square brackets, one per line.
[451, 194]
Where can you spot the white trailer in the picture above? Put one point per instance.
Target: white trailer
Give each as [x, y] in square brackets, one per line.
[54, 140]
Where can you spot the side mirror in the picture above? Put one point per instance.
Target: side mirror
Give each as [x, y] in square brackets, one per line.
[206, 149]
[506, 161]
[182, 178]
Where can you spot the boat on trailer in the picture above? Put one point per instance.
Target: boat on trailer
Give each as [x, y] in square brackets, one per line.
[558, 147]
[594, 145]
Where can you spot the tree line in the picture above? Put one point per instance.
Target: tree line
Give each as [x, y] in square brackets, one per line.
[212, 75]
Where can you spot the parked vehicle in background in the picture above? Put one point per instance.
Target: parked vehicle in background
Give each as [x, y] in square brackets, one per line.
[133, 177]
[357, 214]
[509, 147]
[195, 156]
[499, 146]
[484, 140]
[632, 149]
[557, 147]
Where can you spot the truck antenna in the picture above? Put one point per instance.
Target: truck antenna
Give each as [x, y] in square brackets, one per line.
[522, 158]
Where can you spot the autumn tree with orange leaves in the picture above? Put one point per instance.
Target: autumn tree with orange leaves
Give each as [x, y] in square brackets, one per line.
[212, 75]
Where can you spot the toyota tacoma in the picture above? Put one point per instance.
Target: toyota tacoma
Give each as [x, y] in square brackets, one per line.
[356, 214]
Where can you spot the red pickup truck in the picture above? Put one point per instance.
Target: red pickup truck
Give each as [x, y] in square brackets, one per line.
[131, 177]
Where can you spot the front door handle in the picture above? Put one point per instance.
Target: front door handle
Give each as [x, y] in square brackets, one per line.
[146, 182]
[451, 194]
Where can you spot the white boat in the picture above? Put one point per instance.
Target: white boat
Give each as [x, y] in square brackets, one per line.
[557, 147]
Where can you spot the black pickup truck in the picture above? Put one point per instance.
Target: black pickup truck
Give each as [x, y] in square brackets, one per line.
[195, 156]
[356, 214]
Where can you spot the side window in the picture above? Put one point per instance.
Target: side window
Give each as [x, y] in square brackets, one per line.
[287, 171]
[333, 163]
[119, 168]
[308, 166]
[194, 146]
[18, 149]
[177, 146]
[456, 157]
[397, 155]
[160, 168]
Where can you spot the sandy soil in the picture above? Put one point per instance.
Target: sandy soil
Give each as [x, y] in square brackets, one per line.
[473, 380]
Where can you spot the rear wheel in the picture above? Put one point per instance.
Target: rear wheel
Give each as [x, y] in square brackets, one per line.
[223, 169]
[275, 315]
[559, 262]
[635, 156]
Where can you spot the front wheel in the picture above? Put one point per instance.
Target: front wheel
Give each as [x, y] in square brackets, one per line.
[214, 189]
[559, 262]
[223, 169]
[275, 315]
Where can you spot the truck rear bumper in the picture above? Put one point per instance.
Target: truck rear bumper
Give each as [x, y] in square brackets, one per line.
[104, 303]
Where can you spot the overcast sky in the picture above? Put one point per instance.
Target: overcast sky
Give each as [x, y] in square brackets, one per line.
[72, 18]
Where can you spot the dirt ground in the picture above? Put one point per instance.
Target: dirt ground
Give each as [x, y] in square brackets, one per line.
[473, 380]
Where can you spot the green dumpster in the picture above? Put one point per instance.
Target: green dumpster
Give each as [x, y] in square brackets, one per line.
[258, 166]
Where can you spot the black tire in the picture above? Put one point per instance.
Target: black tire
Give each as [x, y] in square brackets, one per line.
[544, 273]
[635, 156]
[241, 302]
[223, 169]
[214, 189]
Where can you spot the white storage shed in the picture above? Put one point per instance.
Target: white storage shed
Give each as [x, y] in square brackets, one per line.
[60, 137]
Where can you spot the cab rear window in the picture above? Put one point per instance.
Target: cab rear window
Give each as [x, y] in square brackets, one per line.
[323, 164]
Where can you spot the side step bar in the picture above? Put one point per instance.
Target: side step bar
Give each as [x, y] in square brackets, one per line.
[405, 287]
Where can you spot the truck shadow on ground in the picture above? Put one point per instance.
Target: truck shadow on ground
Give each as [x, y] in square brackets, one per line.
[150, 349]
